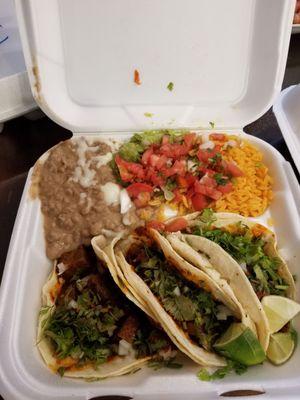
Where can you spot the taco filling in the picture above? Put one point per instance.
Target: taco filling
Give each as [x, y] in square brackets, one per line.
[247, 246]
[200, 316]
[92, 323]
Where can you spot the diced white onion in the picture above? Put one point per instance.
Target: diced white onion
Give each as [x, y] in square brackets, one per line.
[61, 268]
[191, 165]
[168, 353]
[125, 202]
[176, 291]
[232, 143]
[223, 312]
[127, 219]
[124, 348]
[72, 304]
[110, 330]
[111, 193]
[205, 137]
[103, 160]
[207, 145]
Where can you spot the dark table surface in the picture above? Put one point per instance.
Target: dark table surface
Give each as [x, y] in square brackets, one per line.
[23, 141]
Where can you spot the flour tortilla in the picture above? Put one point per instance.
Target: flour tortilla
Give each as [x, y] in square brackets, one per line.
[116, 367]
[206, 254]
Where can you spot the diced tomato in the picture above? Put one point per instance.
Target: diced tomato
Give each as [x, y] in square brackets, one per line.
[137, 78]
[234, 170]
[160, 226]
[165, 139]
[154, 177]
[207, 181]
[179, 167]
[228, 187]
[153, 160]
[204, 155]
[199, 202]
[189, 139]
[191, 179]
[146, 156]
[178, 196]
[161, 162]
[199, 188]
[142, 199]
[136, 188]
[135, 169]
[217, 136]
[125, 175]
[182, 181]
[207, 191]
[176, 225]
[174, 150]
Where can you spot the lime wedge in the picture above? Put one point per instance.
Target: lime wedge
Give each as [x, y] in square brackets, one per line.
[279, 311]
[240, 344]
[281, 347]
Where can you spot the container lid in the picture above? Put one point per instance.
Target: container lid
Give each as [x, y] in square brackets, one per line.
[225, 61]
[286, 110]
[16, 97]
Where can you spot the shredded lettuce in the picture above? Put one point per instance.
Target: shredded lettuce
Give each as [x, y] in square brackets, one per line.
[131, 151]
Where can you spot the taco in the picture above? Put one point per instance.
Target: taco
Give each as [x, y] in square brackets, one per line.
[242, 252]
[88, 329]
[193, 309]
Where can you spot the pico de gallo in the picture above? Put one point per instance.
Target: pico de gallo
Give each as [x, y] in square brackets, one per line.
[178, 168]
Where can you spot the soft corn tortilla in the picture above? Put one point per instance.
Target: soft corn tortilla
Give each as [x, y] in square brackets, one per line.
[114, 254]
[116, 367]
[207, 255]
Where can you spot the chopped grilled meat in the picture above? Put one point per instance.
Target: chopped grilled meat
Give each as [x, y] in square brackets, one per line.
[191, 328]
[75, 261]
[129, 328]
[98, 285]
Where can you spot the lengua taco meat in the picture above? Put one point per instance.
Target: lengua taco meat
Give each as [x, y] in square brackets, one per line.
[87, 327]
[244, 253]
[192, 308]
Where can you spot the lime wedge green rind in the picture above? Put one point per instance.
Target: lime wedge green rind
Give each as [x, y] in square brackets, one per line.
[240, 344]
[279, 311]
[281, 347]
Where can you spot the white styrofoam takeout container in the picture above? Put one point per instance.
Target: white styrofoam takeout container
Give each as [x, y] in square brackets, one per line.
[287, 112]
[80, 58]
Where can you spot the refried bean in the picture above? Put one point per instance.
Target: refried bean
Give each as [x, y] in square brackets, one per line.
[72, 202]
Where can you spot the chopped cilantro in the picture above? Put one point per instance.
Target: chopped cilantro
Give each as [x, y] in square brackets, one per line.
[180, 307]
[170, 185]
[244, 247]
[148, 114]
[215, 159]
[61, 371]
[192, 307]
[212, 124]
[207, 216]
[219, 178]
[220, 373]
[170, 86]
[161, 363]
